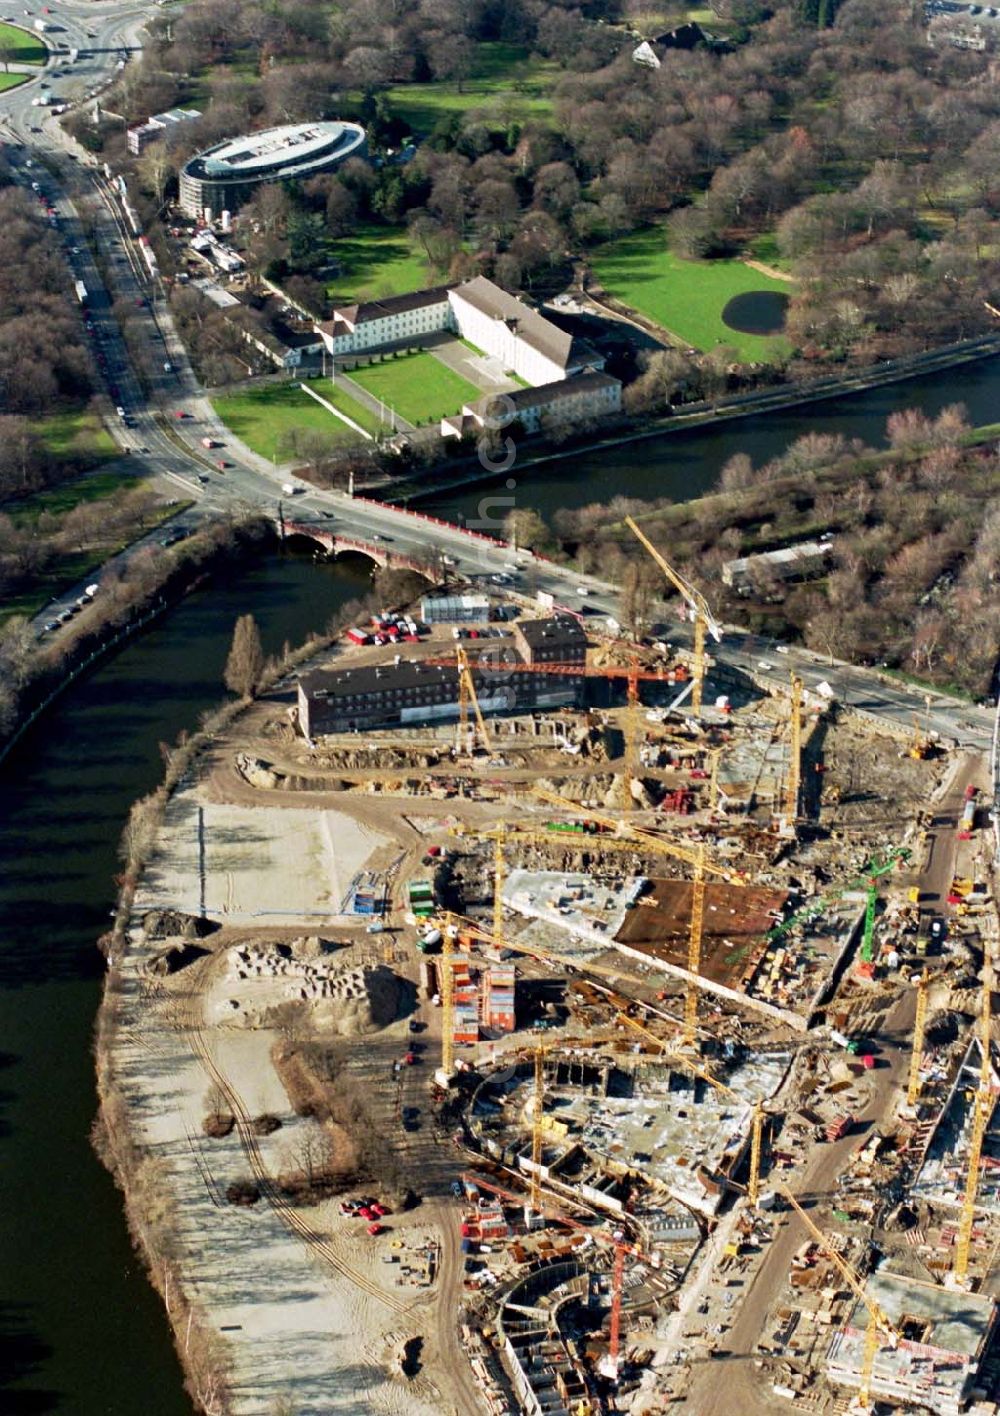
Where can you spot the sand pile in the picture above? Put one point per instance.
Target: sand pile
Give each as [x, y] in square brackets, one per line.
[367, 1000]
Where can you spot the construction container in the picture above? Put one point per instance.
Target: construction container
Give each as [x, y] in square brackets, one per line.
[356, 636]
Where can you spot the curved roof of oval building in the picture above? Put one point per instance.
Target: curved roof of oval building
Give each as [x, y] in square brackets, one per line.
[288, 151]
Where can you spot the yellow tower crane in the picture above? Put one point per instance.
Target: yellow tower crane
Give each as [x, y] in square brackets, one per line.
[919, 1028]
[499, 872]
[879, 1327]
[982, 1111]
[668, 1054]
[793, 782]
[704, 621]
[448, 934]
[537, 1127]
[467, 698]
[696, 858]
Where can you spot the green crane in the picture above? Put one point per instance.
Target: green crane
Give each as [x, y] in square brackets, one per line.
[869, 880]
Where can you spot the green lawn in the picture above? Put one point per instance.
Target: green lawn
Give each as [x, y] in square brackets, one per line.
[95, 486]
[261, 415]
[505, 80]
[686, 297]
[77, 432]
[22, 46]
[334, 394]
[418, 386]
[377, 261]
[12, 81]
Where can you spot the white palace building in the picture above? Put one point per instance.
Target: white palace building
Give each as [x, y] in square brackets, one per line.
[523, 341]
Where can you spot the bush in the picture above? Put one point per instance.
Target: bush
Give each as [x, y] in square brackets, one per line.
[243, 1192]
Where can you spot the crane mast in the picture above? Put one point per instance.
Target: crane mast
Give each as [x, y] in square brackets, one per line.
[985, 1100]
[704, 621]
[879, 1325]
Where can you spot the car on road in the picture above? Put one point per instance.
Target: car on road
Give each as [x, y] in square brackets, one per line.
[221, 464]
[121, 412]
[168, 368]
[49, 626]
[377, 536]
[764, 664]
[202, 477]
[375, 1228]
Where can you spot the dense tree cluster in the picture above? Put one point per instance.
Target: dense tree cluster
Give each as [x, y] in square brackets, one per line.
[861, 154]
[916, 546]
[42, 355]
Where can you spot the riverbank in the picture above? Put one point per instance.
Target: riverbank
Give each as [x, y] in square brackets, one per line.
[273, 1306]
[435, 483]
[122, 610]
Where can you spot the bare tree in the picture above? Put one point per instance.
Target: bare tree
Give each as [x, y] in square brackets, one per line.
[245, 664]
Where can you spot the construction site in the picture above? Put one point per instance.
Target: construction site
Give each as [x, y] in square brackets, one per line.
[669, 991]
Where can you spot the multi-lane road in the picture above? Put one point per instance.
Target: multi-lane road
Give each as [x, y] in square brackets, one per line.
[168, 413]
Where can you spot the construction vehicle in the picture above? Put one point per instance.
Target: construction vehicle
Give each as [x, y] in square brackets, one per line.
[704, 620]
[985, 1100]
[879, 1330]
[921, 744]
[967, 824]
[670, 1054]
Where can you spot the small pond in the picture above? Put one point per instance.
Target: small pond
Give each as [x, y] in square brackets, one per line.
[756, 312]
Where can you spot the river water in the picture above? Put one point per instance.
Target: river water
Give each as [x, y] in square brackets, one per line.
[81, 1331]
[685, 465]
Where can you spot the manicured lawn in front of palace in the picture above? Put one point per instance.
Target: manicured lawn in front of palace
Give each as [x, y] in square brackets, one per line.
[260, 416]
[419, 387]
[685, 297]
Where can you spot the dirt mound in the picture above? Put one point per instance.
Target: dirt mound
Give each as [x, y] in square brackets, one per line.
[177, 957]
[366, 1000]
[175, 924]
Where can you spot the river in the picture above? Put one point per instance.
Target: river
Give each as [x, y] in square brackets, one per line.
[81, 1331]
[685, 465]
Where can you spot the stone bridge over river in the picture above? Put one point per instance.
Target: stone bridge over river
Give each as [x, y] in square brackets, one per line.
[336, 542]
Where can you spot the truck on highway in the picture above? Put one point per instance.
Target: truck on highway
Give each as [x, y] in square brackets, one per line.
[81, 291]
